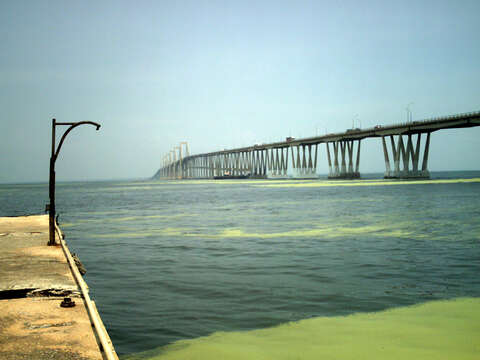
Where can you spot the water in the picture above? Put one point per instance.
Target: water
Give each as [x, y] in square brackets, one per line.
[177, 260]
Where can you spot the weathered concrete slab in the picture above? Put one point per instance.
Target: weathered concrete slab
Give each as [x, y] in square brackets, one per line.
[38, 328]
[34, 278]
[25, 260]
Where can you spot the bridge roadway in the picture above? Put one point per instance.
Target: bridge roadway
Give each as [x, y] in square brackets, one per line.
[342, 150]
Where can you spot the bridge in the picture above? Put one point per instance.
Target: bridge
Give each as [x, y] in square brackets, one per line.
[401, 144]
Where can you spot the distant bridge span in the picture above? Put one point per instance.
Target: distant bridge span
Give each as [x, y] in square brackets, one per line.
[342, 149]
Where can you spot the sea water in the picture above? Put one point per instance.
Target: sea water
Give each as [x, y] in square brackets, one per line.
[277, 269]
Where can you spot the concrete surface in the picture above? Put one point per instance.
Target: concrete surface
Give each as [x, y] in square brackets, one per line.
[34, 278]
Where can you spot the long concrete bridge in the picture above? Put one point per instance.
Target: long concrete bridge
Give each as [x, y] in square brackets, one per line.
[401, 143]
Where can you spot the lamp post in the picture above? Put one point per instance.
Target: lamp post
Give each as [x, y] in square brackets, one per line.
[353, 120]
[53, 158]
[409, 112]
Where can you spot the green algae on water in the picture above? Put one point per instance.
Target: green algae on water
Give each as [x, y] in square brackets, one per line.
[432, 331]
[334, 183]
[332, 231]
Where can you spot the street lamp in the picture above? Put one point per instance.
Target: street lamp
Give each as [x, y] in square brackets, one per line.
[409, 112]
[53, 158]
[353, 120]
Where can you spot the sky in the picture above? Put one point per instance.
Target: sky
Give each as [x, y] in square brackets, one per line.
[225, 74]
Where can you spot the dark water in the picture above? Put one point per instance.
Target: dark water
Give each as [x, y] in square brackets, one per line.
[183, 259]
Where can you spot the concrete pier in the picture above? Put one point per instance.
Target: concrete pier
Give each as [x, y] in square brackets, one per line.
[34, 281]
[409, 156]
[342, 171]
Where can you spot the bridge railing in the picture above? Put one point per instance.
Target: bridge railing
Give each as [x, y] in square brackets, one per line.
[425, 121]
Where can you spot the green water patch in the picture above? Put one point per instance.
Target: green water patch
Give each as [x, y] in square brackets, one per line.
[168, 232]
[101, 213]
[326, 232]
[344, 228]
[150, 217]
[419, 224]
[432, 331]
[400, 230]
[67, 225]
[333, 183]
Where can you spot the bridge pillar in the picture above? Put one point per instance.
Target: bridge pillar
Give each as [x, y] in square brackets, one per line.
[272, 162]
[238, 166]
[259, 163]
[211, 166]
[224, 168]
[408, 156]
[277, 162]
[243, 166]
[304, 166]
[240, 163]
[248, 162]
[263, 162]
[253, 163]
[232, 163]
[217, 165]
[191, 164]
[344, 170]
[284, 161]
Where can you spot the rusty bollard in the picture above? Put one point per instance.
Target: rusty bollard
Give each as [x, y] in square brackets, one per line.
[67, 302]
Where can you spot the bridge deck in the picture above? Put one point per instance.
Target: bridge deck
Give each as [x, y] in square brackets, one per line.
[422, 126]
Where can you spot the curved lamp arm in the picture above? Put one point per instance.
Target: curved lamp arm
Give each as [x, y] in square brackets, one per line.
[74, 125]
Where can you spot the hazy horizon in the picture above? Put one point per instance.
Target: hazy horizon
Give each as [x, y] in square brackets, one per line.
[226, 74]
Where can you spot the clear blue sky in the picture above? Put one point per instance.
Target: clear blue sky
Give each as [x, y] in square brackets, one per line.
[223, 74]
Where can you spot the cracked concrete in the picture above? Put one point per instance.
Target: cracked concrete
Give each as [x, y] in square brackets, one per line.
[34, 278]
[26, 260]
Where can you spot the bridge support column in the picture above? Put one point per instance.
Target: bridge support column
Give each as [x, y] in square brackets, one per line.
[285, 162]
[272, 162]
[191, 168]
[211, 167]
[277, 162]
[305, 166]
[408, 156]
[246, 163]
[217, 165]
[253, 163]
[205, 167]
[264, 163]
[350, 170]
